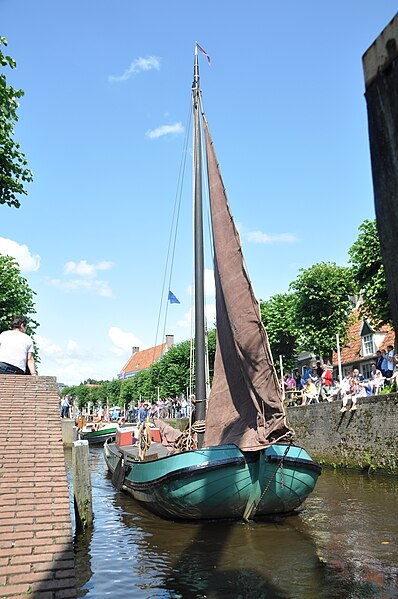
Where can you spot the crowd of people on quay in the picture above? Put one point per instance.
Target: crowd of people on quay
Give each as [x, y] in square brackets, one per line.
[177, 407]
[314, 385]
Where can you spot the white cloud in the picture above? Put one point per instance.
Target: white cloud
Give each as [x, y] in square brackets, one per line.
[47, 347]
[84, 269]
[210, 311]
[74, 362]
[210, 287]
[94, 286]
[177, 128]
[21, 253]
[123, 341]
[87, 281]
[137, 66]
[260, 237]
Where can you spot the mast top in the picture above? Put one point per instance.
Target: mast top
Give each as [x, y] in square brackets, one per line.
[195, 84]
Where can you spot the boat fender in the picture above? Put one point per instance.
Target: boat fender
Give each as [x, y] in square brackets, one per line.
[119, 474]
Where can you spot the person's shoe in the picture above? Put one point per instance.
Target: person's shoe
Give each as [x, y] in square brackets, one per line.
[353, 408]
[343, 409]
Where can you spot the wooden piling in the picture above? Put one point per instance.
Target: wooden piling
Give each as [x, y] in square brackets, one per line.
[82, 485]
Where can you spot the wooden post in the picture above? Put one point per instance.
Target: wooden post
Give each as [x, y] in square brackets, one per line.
[282, 385]
[82, 485]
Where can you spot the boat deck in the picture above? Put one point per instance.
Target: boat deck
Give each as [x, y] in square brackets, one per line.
[130, 452]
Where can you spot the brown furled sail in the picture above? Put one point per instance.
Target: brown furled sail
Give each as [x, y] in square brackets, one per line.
[245, 405]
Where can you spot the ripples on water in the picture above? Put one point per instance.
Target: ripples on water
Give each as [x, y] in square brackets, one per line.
[342, 544]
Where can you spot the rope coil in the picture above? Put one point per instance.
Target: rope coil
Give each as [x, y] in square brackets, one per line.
[144, 440]
[188, 439]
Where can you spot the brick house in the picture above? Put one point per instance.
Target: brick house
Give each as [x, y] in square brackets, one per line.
[364, 341]
[141, 360]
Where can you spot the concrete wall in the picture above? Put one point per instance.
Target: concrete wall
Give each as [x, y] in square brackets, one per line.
[366, 439]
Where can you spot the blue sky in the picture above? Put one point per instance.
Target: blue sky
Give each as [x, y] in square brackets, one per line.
[102, 124]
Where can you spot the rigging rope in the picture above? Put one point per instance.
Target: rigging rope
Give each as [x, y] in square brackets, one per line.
[173, 230]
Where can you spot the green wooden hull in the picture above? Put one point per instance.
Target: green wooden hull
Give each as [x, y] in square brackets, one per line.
[218, 482]
[98, 437]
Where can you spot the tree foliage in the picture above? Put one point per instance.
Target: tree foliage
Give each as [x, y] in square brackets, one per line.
[369, 276]
[323, 307]
[278, 314]
[13, 165]
[16, 297]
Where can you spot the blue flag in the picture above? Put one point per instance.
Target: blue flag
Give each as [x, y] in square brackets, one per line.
[172, 298]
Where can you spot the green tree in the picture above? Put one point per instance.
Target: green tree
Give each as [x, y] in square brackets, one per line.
[174, 370]
[13, 165]
[323, 307]
[278, 314]
[369, 276]
[16, 297]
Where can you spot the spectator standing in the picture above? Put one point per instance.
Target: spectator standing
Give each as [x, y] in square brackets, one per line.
[326, 381]
[65, 407]
[16, 349]
[379, 360]
[384, 363]
[297, 378]
[143, 412]
[390, 361]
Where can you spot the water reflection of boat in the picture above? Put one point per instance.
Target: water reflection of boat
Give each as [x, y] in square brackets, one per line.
[245, 464]
[225, 559]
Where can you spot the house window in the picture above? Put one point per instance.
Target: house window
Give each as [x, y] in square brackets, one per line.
[367, 345]
[366, 370]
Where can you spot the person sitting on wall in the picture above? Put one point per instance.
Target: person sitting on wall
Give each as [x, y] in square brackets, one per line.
[356, 390]
[16, 349]
[310, 392]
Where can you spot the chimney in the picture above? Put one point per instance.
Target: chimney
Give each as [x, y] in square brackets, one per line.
[135, 350]
[169, 341]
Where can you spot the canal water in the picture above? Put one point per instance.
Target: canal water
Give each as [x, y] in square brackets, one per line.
[342, 544]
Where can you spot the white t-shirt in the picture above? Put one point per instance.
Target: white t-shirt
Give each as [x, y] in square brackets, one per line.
[14, 348]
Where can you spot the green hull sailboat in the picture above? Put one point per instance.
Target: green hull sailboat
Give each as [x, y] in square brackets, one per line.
[245, 463]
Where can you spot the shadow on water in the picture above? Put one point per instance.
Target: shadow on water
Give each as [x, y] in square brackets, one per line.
[342, 544]
[226, 559]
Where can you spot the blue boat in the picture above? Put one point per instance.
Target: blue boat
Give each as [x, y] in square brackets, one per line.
[243, 462]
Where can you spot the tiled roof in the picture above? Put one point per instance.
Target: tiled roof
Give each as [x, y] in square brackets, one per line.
[353, 351]
[144, 359]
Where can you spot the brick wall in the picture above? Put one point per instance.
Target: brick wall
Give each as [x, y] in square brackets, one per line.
[366, 439]
[36, 553]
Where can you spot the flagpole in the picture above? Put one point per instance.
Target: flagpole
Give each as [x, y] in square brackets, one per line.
[339, 358]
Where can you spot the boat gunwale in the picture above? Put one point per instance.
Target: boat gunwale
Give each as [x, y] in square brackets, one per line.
[308, 464]
[186, 472]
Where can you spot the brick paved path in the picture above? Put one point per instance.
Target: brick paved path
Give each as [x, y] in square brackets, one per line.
[36, 553]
